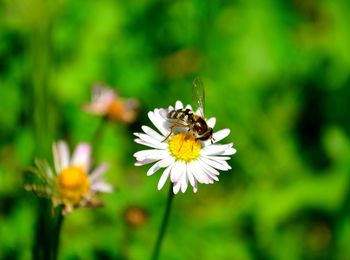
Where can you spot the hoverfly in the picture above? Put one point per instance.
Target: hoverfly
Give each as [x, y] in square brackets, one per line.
[186, 118]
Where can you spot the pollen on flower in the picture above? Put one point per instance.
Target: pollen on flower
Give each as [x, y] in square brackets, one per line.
[73, 184]
[184, 147]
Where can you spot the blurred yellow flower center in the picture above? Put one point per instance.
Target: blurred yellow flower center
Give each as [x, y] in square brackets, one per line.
[73, 184]
[184, 147]
[116, 110]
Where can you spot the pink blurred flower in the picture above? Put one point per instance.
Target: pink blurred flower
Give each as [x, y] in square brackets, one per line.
[107, 103]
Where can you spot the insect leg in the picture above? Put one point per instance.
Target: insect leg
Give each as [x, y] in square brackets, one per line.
[212, 140]
[171, 131]
[176, 124]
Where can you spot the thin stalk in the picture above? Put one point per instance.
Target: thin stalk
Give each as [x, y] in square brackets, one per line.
[164, 225]
[127, 235]
[42, 125]
[97, 135]
[57, 225]
[41, 245]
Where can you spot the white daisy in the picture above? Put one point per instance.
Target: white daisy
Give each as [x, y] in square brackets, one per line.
[184, 158]
[70, 184]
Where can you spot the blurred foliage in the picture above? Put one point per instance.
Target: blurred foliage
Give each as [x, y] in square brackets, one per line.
[276, 73]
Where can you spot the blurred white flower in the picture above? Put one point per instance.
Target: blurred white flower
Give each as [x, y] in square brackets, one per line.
[107, 103]
[70, 183]
[184, 158]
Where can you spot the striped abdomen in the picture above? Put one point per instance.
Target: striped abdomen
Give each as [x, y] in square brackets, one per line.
[184, 114]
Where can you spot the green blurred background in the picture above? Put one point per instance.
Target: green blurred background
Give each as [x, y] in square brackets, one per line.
[276, 73]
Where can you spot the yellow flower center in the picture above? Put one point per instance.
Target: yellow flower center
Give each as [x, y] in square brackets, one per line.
[119, 110]
[184, 147]
[73, 184]
[116, 110]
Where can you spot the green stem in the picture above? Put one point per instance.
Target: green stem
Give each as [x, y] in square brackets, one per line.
[97, 135]
[57, 225]
[164, 225]
[42, 120]
[41, 245]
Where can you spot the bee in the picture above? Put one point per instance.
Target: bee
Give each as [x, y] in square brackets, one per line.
[186, 118]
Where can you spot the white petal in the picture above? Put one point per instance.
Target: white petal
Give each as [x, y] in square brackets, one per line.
[221, 134]
[101, 187]
[217, 158]
[158, 121]
[96, 108]
[218, 136]
[211, 122]
[229, 151]
[164, 177]
[61, 155]
[160, 164]
[190, 177]
[176, 187]
[179, 168]
[156, 146]
[211, 172]
[152, 133]
[163, 112]
[98, 172]
[215, 149]
[184, 183]
[151, 154]
[150, 141]
[167, 161]
[189, 107]
[102, 97]
[155, 167]
[198, 174]
[103, 94]
[145, 161]
[199, 111]
[212, 176]
[178, 104]
[140, 163]
[209, 168]
[195, 187]
[216, 164]
[81, 156]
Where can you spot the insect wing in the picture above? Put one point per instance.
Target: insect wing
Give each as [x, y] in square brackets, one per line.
[174, 121]
[164, 113]
[198, 95]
